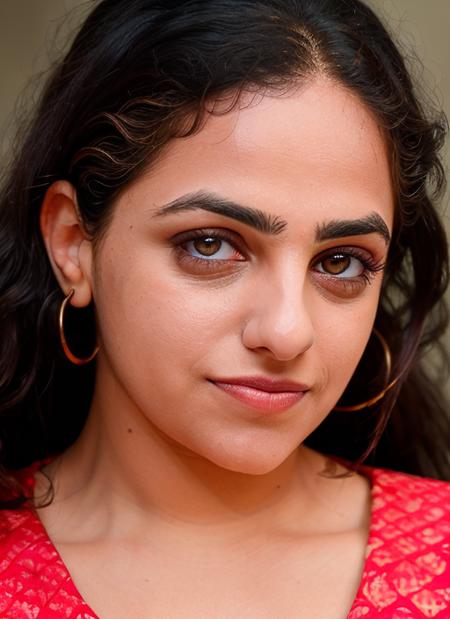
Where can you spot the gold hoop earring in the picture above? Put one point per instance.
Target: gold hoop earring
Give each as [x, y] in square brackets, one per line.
[381, 394]
[70, 356]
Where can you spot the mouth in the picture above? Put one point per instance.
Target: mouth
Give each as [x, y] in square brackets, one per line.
[263, 399]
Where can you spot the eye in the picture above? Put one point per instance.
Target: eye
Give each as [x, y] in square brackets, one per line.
[211, 246]
[346, 270]
[341, 265]
[208, 249]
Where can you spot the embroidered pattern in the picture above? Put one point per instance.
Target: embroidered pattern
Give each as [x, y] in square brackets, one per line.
[407, 569]
[406, 573]
[34, 582]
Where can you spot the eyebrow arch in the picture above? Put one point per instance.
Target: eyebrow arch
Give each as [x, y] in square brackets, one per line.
[272, 224]
[268, 224]
[337, 228]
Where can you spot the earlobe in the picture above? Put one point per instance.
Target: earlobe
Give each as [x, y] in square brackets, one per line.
[68, 247]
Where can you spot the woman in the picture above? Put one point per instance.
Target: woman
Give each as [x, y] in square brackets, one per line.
[226, 205]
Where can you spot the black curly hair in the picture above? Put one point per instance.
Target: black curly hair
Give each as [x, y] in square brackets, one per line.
[137, 75]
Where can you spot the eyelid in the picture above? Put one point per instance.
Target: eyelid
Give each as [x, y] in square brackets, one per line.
[221, 233]
[349, 287]
[201, 232]
[366, 256]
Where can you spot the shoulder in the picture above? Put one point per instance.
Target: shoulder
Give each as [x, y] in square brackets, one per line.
[393, 482]
[391, 478]
[408, 493]
[24, 544]
[22, 555]
[21, 534]
[407, 560]
[19, 521]
[416, 507]
[34, 581]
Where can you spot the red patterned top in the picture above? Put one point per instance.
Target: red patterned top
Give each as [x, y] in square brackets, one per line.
[406, 573]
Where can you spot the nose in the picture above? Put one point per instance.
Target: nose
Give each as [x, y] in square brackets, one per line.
[280, 320]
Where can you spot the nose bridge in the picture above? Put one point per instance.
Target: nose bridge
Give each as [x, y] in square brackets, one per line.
[280, 318]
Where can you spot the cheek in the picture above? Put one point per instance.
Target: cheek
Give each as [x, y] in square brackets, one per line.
[342, 334]
[149, 318]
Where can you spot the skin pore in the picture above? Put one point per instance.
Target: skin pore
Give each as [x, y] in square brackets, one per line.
[187, 494]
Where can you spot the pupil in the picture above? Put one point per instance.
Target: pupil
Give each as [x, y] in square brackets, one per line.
[336, 264]
[210, 245]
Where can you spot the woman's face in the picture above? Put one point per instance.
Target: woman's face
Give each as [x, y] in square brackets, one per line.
[191, 286]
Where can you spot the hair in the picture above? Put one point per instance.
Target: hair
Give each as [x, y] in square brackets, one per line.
[142, 72]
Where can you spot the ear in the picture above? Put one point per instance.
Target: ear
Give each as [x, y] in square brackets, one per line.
[69, 248]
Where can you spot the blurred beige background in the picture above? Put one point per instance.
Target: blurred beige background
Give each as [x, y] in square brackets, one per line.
[34, 32]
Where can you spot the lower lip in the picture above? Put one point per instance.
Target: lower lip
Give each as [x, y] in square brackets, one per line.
[263, 400]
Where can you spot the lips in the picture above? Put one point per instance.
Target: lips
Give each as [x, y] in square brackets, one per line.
[264, 383]
[264, 394]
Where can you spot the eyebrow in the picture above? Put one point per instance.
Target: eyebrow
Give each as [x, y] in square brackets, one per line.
[268, 224]
[273, 224]
[337, 228]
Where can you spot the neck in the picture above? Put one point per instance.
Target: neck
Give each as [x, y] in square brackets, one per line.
[122, 468]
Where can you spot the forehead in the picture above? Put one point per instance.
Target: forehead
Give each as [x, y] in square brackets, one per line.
[317, 150]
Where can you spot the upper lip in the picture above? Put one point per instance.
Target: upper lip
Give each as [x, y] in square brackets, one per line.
[264, 383]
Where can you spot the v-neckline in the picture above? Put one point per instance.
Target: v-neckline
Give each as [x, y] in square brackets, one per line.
[369, 473]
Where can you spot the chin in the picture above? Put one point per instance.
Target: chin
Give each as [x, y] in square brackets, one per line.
[250, 462]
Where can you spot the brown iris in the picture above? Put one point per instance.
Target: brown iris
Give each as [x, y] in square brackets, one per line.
[207, 245]
[337, 264]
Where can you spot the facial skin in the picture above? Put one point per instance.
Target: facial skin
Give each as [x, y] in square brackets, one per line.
[172, 478]
[257, 304]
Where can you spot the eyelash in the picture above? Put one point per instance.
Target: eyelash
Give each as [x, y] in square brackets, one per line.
[194, 235]
[368, 262]
[370, 265]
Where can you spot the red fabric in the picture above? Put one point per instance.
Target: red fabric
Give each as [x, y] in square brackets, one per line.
[407, 569]
[406, 573]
